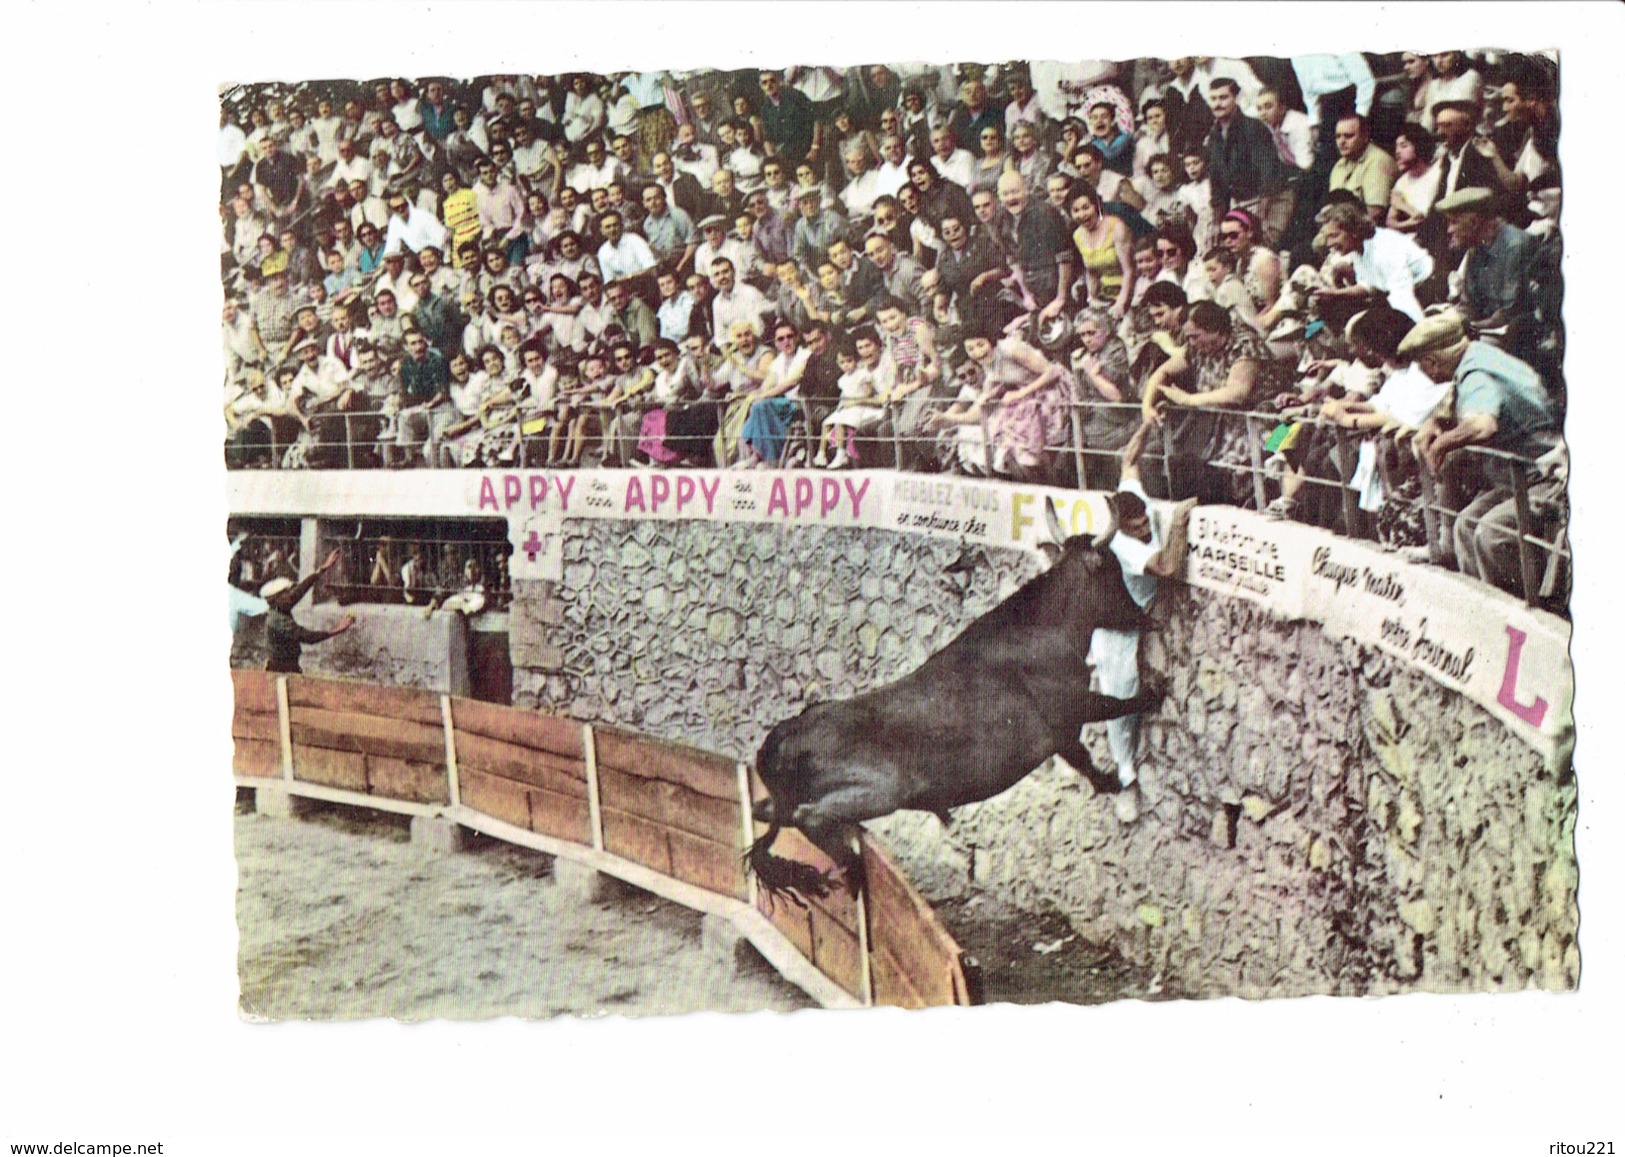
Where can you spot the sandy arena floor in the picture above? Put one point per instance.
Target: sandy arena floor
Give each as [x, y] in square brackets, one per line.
[341, 917]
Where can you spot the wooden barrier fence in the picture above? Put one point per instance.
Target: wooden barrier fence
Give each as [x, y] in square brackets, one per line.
[668, 818]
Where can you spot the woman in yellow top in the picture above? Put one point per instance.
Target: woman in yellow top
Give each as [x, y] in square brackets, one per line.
[1107, 249]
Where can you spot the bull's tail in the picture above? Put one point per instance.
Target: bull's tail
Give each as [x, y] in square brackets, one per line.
[781, 878]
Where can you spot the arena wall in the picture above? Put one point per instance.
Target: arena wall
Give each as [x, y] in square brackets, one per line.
[1335, 804]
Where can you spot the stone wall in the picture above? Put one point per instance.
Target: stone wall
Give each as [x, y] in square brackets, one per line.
[1319, 818]
[391, 645]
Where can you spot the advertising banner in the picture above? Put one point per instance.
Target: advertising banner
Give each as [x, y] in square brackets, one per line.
[1478, 641]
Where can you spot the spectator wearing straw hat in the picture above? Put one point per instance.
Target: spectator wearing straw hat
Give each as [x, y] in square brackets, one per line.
[285, 636]
[1496, 287]
[1499, 403]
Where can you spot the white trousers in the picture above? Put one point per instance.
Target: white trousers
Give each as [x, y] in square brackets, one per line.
[1115, 655]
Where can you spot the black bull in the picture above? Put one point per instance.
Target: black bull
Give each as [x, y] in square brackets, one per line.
[1008, 693]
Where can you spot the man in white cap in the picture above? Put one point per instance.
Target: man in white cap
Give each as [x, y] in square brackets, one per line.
[718, 243]
[282, 633]
[1500, 403]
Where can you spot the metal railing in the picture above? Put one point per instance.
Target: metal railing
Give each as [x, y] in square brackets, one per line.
[373, 558]
[902, 442]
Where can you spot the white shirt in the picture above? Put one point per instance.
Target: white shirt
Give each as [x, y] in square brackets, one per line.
[631, 256]
[1320, 74]
[326, 381]
[1032, 113]
[583, 116]
[732, 248]
[890, 177]
[702, 166]
[1147, 147]
[586, 177]
[1410, 396]
[357, 168]
[1391, 261]
[419, 229]
[741, 303]
[1060, 87]
[860, 193]
[1134, 554]
[816, 84]
[232, 144]
[784, 368]
[959, 168]
[1299, 134]
[327, 137]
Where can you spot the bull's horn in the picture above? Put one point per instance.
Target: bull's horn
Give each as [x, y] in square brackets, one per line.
[1052, 521]
[1100, 540]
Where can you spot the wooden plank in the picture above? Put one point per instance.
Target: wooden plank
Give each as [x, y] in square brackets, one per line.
[795, 923]
[511, 761]
[713, 866]
[835, 952]
[284, 732]
[698, 771]
[892, 987]
[899, 933]
[258, 758]
[516, 725]
[254, 690]
[670, 804]
[878, 863]
[769, 941]
[346, 769]
[908, 933]
[372, 734]
[406, 779]
[404, 703]
[563, 816]
[255, 724]
[361, 799]
[450, 735]
[637, 840]
[595, 805]
[499, 798]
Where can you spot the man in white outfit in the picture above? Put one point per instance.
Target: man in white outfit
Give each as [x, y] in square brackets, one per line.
[1147, 552]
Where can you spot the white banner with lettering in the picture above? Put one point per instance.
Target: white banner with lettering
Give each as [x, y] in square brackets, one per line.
[1485, 644]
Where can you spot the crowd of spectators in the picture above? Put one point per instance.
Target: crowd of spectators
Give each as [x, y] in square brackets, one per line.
[982, 268]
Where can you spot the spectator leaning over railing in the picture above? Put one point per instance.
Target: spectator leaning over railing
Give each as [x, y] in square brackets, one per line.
[1368, 392]
[1220, 364]
[1495, 286]
[1499, 403]
[1381, 263]
[1101, 366]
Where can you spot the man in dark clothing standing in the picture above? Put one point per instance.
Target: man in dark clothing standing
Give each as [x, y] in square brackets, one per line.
[789, 127]
[1244, 166]
[282, 633]
[276, 180]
